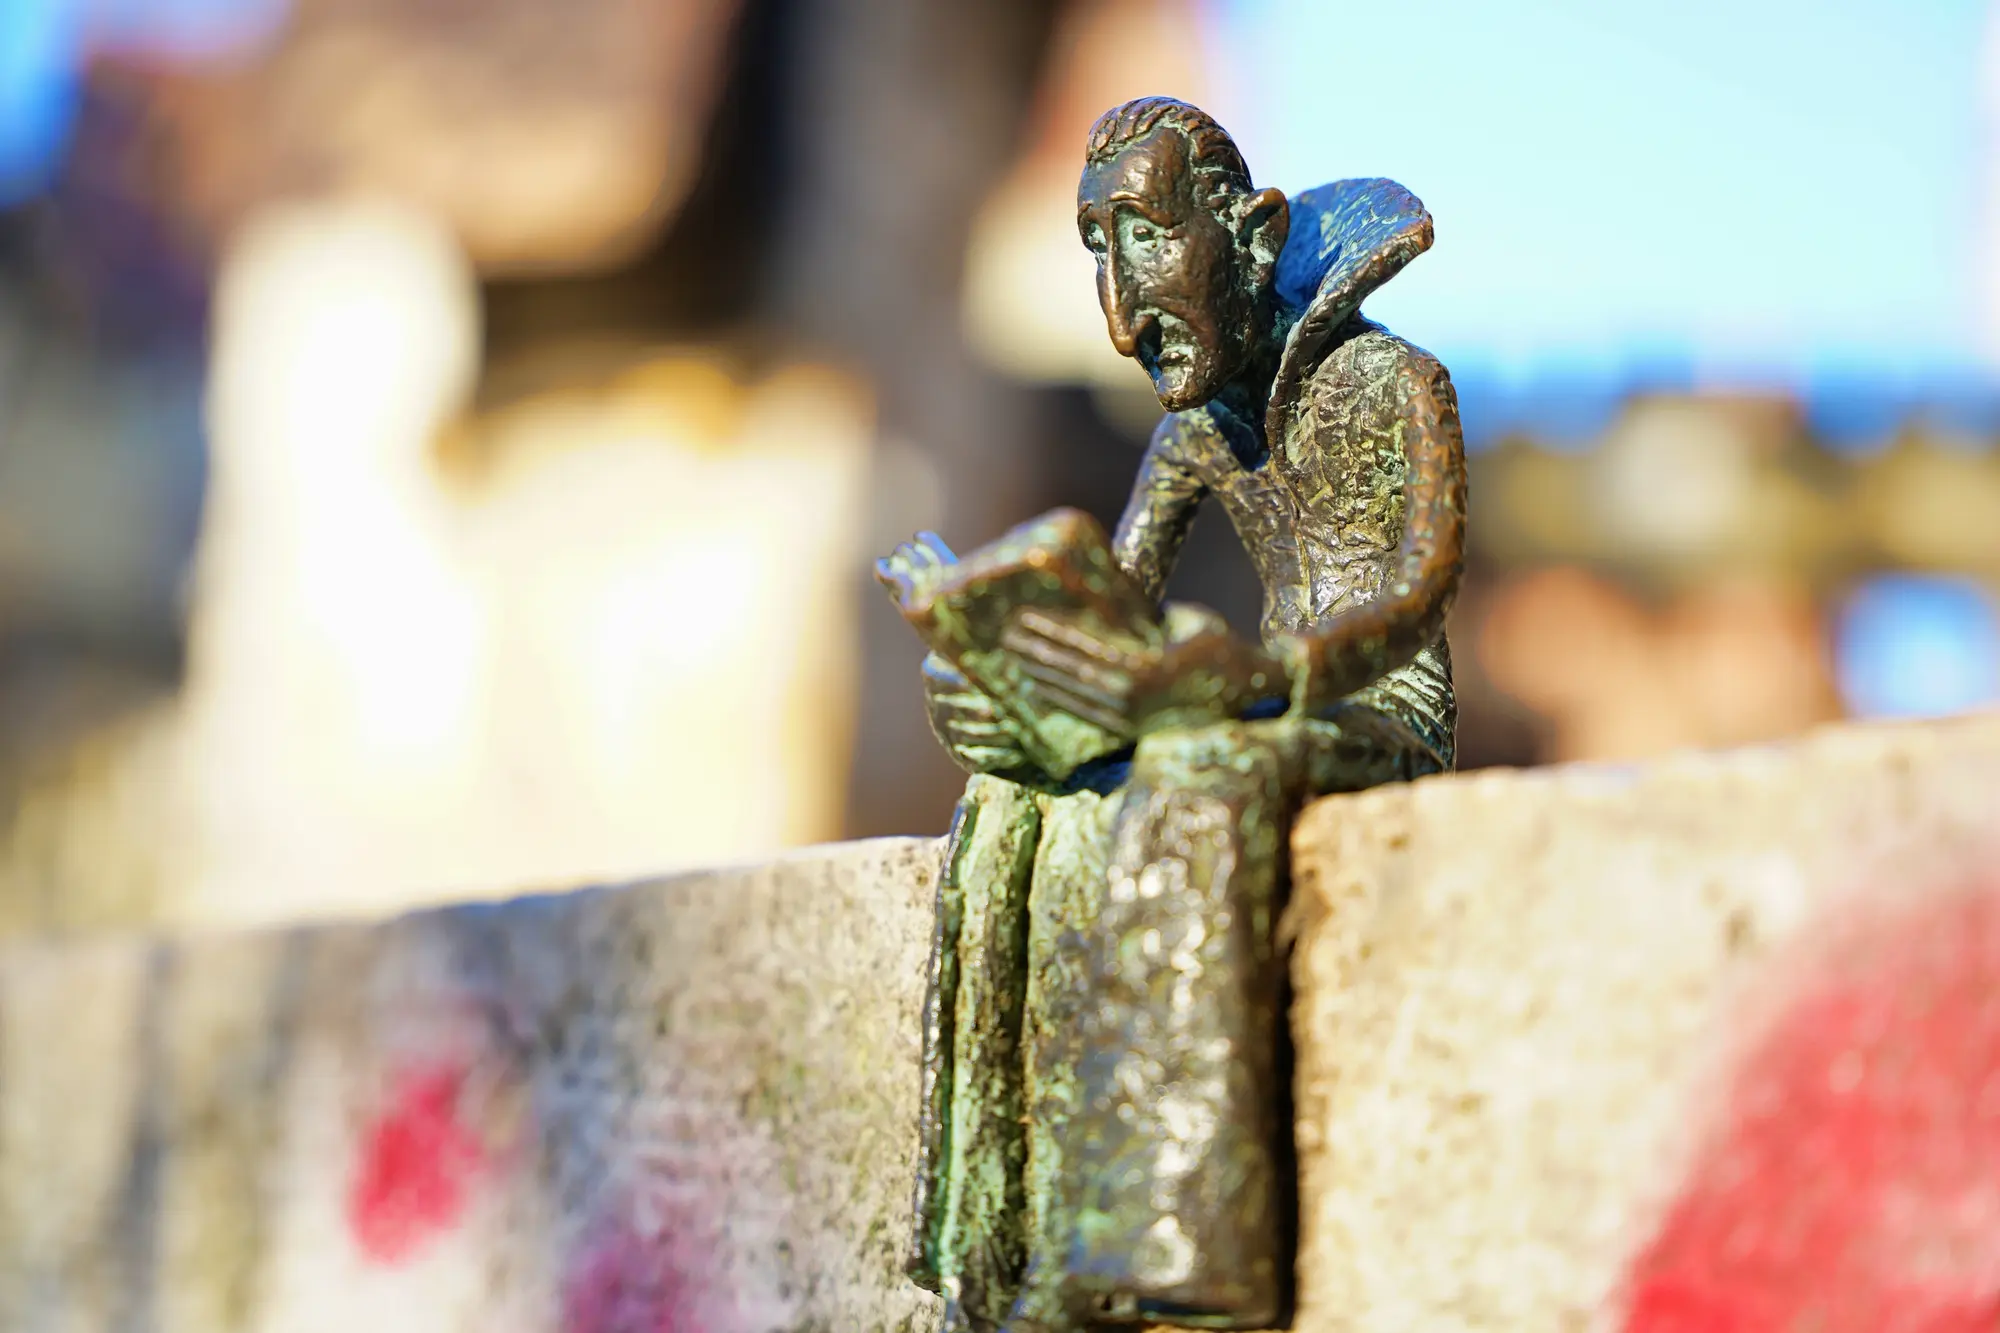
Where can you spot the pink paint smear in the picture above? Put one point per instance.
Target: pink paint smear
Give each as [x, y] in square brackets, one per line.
[416, 1167]
[626, 1284]
[1856, 1186]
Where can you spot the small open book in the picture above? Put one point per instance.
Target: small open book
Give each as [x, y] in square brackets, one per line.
[1001, 614]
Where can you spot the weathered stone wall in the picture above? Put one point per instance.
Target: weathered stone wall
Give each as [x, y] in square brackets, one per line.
[677, 1106]
[1713, 1044]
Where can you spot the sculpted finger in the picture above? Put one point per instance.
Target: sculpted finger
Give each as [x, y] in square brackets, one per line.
[989, 758]
[1190, 620]
[1101, 675]
[941, 677]
[933, 549]
[961, 729]
[905, 570]
[1057, 632]
[1064, 695]
[895, 575]
[1085, 698]
[964, 704]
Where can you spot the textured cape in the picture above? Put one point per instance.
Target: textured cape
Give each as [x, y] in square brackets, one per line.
[1347, 239]
[1353, 516]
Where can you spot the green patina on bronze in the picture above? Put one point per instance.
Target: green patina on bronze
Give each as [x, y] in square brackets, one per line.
[1103, 1131]
[974, 1139]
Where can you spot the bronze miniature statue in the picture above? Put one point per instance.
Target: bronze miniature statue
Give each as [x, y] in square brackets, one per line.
[1104, 1131]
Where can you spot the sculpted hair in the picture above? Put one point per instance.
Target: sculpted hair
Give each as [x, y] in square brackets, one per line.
[1211, 152]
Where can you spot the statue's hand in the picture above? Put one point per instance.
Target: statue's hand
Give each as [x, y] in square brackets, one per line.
[1203, 672]
[966, 723]
[913, 566]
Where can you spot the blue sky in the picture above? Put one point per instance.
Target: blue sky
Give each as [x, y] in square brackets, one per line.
[1694, 189]
[1724, 188]
[37, 41]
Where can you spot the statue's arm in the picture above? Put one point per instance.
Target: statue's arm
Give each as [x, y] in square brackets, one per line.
[1162, 508]
[1360, 645]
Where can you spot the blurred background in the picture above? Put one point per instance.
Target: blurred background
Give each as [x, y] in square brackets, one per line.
[443, 442]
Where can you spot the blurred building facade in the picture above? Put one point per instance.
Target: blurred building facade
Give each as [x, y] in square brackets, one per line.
[537, 511]
[442, 447]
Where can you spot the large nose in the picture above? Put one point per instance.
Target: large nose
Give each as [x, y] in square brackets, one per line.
[1117, 292]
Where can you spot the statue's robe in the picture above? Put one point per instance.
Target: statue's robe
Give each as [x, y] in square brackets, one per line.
[1106, 1123]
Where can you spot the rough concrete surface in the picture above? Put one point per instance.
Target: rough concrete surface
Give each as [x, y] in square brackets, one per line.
[1712, 1044]
[676, 1107]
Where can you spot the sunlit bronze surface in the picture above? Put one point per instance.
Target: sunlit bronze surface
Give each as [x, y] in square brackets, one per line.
[1104, 1119]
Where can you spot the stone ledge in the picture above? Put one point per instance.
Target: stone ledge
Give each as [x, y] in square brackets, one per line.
[677, 1105]
[1580, 1047]
[1698, 1045]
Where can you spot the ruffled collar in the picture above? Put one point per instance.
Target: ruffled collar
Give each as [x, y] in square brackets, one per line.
[1347, 238]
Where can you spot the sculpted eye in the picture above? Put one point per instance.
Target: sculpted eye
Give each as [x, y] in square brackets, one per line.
[1093, 236]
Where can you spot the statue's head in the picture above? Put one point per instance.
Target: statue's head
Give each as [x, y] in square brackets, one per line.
[1186, 248]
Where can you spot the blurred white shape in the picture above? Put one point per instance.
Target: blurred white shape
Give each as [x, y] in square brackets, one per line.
[337, 650]
[1912, 645]
[625, 646]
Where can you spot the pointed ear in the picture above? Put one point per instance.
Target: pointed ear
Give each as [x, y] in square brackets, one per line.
[1263, 220]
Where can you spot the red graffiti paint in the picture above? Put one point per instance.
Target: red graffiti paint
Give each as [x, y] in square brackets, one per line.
[416, 1166]
[624, 1283]
[1856, 1186]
